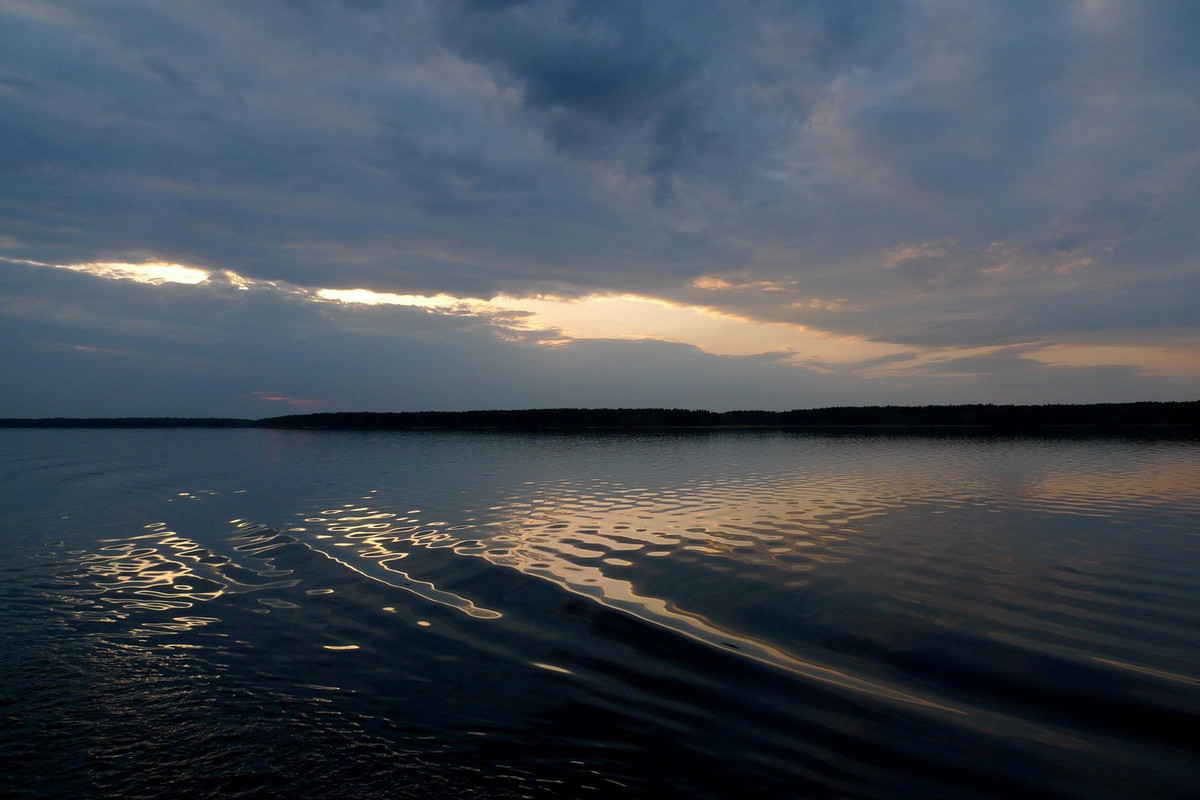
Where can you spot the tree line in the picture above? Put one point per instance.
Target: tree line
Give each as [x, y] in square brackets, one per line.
[1007, 418]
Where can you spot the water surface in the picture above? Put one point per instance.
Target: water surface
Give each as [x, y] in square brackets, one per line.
[255, 613]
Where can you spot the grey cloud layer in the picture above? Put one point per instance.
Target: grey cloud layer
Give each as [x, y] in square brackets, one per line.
[926, 173]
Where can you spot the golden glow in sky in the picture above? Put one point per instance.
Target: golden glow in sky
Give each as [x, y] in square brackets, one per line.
[1166, 359]
[155, 272]
[632, 317]
[370, 298]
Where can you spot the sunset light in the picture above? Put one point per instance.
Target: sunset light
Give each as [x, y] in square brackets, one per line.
[600, 399]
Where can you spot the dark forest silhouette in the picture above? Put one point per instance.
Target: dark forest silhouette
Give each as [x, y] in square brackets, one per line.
[1182, 417]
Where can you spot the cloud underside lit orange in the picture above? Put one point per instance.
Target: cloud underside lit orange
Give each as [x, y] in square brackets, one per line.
[552, 320]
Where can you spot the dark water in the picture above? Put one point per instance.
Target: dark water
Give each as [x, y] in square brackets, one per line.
[246, 613]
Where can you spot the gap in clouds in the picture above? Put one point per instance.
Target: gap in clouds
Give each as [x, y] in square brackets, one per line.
[229, 346]
[554, 320]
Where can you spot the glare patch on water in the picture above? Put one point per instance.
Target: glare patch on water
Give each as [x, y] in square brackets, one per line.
[567, 534]
[163, 572]
[380, 568]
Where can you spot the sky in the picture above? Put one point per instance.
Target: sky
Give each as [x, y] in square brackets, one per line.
[222, 208]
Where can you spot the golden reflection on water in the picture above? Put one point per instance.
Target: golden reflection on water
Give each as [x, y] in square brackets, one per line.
[160, 571]
[574, 535]
[1123, 484]
[582, 537]
[399, 579]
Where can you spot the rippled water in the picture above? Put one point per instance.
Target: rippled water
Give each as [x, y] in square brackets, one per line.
[245, 613]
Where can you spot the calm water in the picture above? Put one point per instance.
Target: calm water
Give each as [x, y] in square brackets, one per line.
[243, 613]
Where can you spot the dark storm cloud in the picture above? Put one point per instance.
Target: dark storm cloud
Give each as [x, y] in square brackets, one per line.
[596, 77]
[676, 93]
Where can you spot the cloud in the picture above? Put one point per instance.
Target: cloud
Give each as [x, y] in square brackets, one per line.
[919, 175]
[204, 349]
[1015, 373]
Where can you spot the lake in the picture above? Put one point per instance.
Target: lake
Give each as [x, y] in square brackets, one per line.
[272, 613]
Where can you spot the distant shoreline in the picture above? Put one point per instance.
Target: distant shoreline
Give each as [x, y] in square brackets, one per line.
[1143, 417]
